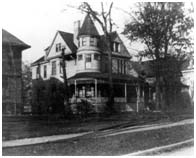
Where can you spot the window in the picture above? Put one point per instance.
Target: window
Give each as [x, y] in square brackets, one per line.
[83, 41]
[105, 67]
[45, 71]
[125, 67]
[92, 42]
[122, 66]
[79, 57]
[58, 47]
[88, 57]
[115, 47]
[114, 66]
[97, 57]
[37, 71]
[119, 66]
[54, 68]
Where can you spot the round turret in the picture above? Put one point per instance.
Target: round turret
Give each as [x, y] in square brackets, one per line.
[88, 54]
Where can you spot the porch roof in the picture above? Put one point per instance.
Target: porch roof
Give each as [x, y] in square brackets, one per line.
[103, 77]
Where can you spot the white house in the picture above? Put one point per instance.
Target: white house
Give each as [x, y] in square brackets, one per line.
[87, 65]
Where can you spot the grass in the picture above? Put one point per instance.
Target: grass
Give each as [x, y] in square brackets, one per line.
[107, 146]
[26, 127]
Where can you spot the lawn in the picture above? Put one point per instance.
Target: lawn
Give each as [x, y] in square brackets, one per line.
[26, 127]
[107, 146]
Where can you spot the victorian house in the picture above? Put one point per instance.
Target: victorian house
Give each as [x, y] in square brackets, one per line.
[87, 67]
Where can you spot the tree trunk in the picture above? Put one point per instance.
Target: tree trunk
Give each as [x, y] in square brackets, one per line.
[66, 88]
[111, 92]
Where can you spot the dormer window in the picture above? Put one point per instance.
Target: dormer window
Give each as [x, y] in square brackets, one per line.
[58, 47]
[115, 47]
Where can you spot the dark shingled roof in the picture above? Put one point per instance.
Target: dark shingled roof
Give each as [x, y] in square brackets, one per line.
[103, 76]
[8, 38]
[68, 38]
[88, 27]
[113, 35]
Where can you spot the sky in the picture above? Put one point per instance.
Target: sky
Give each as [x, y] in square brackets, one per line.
[36, 21]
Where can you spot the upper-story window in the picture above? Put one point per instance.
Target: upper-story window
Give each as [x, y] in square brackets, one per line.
[115, 47]
[114, 66]
[92, 42]
[125, 67]
[79, 57]
[97, 57]
[88, 57]
[53, 68]
[58, 47]
[122, 66]
[45, 71]
[83, 41]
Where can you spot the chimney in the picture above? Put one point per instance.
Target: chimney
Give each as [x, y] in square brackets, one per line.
[76, 31]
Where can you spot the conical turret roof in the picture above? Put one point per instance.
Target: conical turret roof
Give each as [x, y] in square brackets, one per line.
[88, 27]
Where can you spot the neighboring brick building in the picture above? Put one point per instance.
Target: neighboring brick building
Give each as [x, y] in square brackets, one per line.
[12, 49]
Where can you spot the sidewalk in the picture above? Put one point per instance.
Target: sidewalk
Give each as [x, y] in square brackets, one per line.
[38, 140]
[162, 150]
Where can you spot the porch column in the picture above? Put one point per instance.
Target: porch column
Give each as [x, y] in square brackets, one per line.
[138, 98]
[149, 94]
[75, 83]
[96, 89]
[125, 92]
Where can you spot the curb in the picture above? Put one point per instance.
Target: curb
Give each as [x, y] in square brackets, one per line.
[157, 150]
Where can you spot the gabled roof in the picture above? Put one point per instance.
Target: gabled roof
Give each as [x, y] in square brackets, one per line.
[8, 38]
[39, 60]
[88, 27]
[114, 35]
[68, 38]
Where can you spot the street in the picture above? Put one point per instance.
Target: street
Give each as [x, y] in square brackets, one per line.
[188, 151]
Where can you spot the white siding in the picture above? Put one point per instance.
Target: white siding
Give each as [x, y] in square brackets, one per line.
[34, 72]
